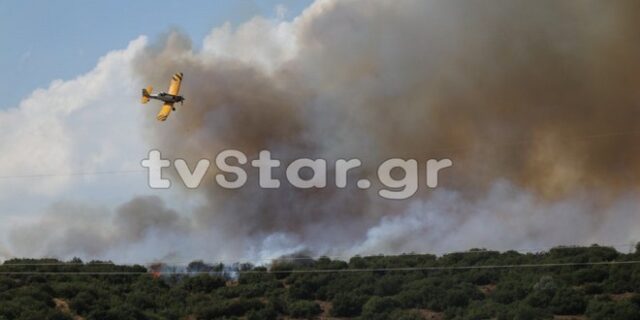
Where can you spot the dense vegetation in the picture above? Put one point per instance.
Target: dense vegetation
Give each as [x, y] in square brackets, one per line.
[378, 287]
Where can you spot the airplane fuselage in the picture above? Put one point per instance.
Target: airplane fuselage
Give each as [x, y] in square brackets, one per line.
[169, 98]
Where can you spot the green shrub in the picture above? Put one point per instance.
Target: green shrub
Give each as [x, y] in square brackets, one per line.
[347, 305]
[611, 310]
[592, 288]
[568, 301]
[405, 315]
[304, 309]
[379, 307]
[268, 313]
[593, 274]
[388, 286]
[509, 291]
[203, 283]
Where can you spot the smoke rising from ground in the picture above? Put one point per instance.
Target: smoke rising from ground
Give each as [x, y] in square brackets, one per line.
[540, 95]
[536, 103]
[81, 230]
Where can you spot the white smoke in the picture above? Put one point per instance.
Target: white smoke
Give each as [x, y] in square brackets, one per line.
[507, 218]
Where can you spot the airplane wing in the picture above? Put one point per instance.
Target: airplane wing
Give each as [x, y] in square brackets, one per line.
[165, 110]
[174, 87]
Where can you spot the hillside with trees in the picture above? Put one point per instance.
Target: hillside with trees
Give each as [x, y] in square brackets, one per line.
[563, 283]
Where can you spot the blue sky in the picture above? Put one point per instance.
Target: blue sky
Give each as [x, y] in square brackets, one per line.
[47, 40]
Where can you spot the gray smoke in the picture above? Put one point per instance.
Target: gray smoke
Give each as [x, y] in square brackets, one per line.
[537, 104]
[72, 229]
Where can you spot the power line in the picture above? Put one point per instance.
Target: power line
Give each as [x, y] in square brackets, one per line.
[479, 251]
[584, 138]
[72, 174]
[302, 271]
[50, 264]
[522, 251]
[507, 266]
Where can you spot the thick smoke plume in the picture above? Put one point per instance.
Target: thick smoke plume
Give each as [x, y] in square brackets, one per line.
[537, 104]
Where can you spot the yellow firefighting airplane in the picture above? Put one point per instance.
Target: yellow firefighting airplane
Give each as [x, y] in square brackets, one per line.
[169, 98]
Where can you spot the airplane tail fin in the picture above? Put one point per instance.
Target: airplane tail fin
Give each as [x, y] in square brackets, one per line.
[146, 93]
